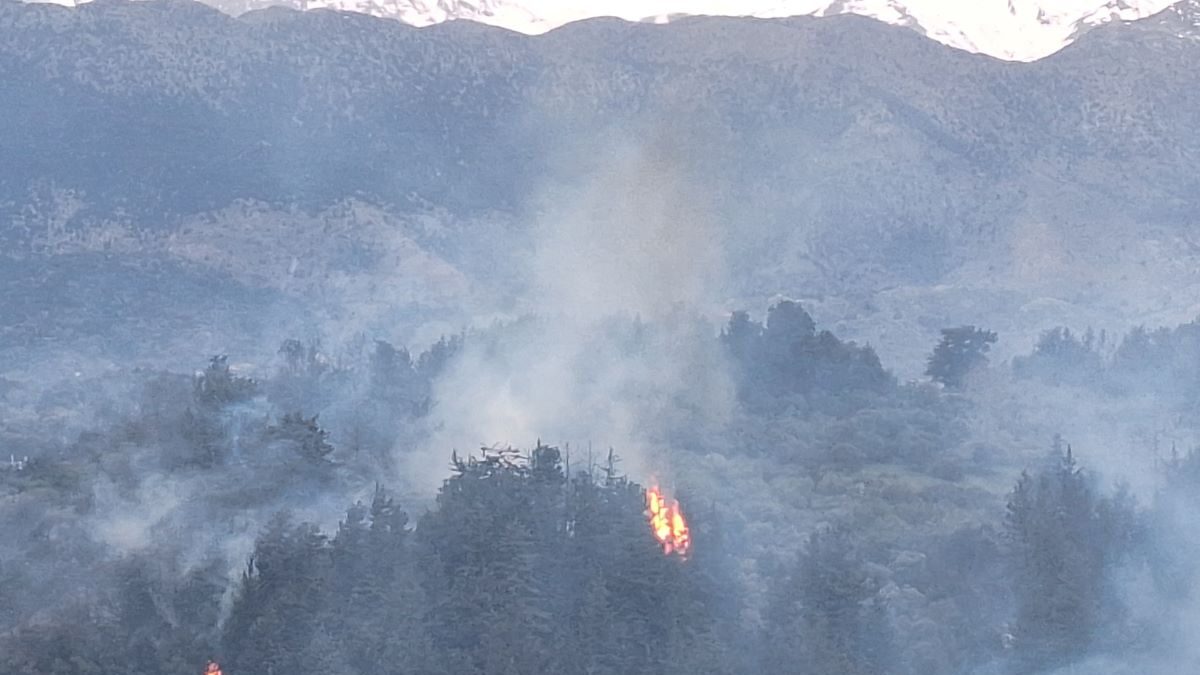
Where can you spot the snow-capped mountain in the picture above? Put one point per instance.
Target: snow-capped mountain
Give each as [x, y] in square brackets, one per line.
[1019, 30]
[1014, 30]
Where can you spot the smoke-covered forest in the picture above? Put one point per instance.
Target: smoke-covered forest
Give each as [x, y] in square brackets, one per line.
[720, 346]
[839, 520]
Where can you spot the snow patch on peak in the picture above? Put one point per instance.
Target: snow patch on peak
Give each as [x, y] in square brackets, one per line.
[1018, 30]
[1015, 30]
[428, 12]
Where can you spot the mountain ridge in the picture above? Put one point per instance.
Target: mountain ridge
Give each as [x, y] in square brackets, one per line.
[1019, 30]
[841, 157]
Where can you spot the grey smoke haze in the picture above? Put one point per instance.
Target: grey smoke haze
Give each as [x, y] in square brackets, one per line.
[592, 306]
[626, 261]
[1122, 439]
[623, 269]
[634, 233]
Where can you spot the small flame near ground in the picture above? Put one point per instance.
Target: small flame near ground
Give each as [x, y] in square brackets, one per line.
[213, 668]
[667, 523]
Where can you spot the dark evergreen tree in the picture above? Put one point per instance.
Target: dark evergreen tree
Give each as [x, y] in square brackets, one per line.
[825, 616]
[1063, 543]
[278, 610]
[304, 435]
[1173, 545]
[788, 363]
[1063, 358]
[741, 337]
[960, 351]
[217, 386]
[480, 562]
[433, 361]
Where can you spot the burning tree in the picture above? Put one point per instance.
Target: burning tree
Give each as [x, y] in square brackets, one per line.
[519, 569]
[667, 523]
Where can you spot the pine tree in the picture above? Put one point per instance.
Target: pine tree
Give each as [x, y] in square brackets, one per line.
[218, 387]
[305, 436]
[278, 609]
[480, 562]
[1063, 541]
[826, 616]
[960, 351]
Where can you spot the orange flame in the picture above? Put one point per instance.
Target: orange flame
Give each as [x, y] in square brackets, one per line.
[667, 523]
[212, 669]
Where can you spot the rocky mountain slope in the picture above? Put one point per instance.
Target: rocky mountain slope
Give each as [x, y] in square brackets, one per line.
[840, 157]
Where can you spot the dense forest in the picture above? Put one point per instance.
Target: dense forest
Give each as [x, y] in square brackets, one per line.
[333, 344]
[266, 523]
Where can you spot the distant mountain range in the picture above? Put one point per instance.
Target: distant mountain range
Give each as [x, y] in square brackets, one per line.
[1019, 30]
[367, 169]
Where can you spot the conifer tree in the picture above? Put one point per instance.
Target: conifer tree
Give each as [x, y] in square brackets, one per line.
[1063, 542]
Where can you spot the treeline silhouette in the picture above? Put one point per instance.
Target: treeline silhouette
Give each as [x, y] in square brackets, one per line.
[544, 562]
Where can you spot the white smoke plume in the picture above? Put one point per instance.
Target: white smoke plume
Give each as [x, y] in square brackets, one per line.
[625, 258]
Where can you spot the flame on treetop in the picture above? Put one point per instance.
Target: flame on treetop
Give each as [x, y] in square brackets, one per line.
[667, 523]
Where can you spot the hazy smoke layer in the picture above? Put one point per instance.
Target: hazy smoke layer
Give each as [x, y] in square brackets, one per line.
[625, 255]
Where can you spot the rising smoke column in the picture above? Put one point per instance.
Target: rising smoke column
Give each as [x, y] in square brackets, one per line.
[625, 258]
